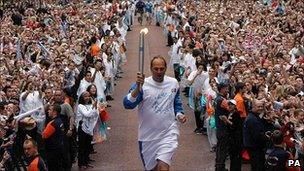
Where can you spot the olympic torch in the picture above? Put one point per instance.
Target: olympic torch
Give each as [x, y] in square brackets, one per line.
[141, 55]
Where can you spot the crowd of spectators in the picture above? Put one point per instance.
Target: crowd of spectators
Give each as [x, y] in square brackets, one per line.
[241, 64]
[59, 64]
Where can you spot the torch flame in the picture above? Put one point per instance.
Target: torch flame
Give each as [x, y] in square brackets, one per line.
[145, 31]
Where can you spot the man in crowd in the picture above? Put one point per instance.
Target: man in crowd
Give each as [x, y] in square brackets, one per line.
[222, 111]
[36, 163]
[68, 118]
[196, 80]
[53, 134]
[255, 137]
[140, 9]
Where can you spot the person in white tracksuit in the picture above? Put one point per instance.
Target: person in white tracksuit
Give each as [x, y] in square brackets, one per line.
[159, 107]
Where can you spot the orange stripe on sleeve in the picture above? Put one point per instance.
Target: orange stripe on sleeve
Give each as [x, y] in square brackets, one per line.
[240, 105]
[48, 131]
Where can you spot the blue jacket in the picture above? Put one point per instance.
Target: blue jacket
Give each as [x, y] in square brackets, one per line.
[254, 132]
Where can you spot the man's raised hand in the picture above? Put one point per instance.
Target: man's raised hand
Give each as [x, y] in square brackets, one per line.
[140, 80]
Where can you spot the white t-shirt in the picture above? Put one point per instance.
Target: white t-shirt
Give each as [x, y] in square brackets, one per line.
[106, 27]
[88, 116]
[32, 101]
[83, 87]
[190, 62]
[156, 110]
[175, 56]
[186, 25]
[100, 84]
[109, 71]
[199, 82]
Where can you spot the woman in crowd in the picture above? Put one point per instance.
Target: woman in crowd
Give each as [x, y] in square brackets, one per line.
[86, 118]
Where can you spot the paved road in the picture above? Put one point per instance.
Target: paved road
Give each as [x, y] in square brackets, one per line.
[120, 151]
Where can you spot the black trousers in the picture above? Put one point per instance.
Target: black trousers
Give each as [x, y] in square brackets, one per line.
[221, 149]
[228, 143]
[257, 159]
[67, 163]
[84, 147]
[198, 121]
[169, 39]
[73, 146]
[54, 159]
[235, 151]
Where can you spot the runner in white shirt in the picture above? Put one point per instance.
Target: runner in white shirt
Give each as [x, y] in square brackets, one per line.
[159, 106]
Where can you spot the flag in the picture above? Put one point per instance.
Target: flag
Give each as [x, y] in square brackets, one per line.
[37, 114]
[26, 114]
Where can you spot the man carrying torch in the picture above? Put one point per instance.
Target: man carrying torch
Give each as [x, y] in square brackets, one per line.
[159, 107]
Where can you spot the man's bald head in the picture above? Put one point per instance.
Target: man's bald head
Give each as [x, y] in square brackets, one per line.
[257, 106]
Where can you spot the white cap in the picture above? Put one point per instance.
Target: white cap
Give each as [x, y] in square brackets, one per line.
[232, 101]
